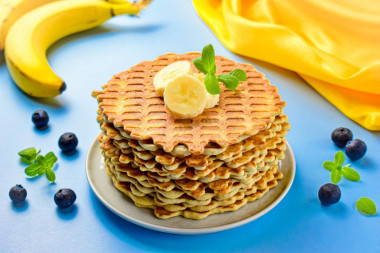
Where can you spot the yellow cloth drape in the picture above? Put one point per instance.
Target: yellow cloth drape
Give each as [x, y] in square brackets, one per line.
[333, 45]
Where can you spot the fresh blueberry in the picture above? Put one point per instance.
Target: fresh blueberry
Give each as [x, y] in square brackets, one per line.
[355, 149]
[40, 118]
[341, 136]
[65, 198]
[68, 142]
[17, 193]
[329, 194]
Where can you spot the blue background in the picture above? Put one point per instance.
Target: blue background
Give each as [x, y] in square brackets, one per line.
[86, 61]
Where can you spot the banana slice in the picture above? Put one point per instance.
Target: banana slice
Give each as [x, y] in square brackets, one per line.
[212, 100]
[185, 96]
[169, 72]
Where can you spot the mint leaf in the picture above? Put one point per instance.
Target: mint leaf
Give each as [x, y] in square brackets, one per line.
[199, 65]
[229, 81]
[208, 58]
[50, 175]
[350, 174]
[366, 206]
[41, 170]
[212, 84]
[26, 160]
[40, 164]
[32, 170]
[50, 159]
[329, 165]
[336, 176]
[213, 71]
[339, 158]
[28, 155]
[40, 159]
[239, 74]
[29, 152]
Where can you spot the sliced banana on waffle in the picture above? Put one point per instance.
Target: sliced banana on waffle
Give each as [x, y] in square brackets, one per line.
[169, 72]
[185, 96]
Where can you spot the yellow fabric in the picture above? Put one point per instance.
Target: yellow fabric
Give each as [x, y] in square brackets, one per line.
[333, 45]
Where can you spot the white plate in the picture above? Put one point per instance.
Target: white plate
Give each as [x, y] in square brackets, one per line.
[103, 188]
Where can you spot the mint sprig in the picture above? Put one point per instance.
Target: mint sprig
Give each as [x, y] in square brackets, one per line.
[337, 170]
[38, 164]
[206, 64]
[366, 206]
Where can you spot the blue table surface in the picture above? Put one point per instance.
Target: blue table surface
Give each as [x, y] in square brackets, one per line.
[86, 61]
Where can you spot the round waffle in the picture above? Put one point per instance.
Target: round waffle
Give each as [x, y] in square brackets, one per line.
[199, 210]
[181, 191]
[130, 102]
[248, 160]
[219, 178]
[278, 128]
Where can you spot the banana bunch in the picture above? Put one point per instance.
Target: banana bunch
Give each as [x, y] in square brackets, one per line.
[34, 32]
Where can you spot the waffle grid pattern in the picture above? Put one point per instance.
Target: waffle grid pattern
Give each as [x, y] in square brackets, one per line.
[130, 102]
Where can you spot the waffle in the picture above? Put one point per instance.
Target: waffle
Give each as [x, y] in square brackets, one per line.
[245, 158]
[233, 203]
[180, 191]
[216, 180]
[222, 180]
[278, 129]
[215, 171]
[130, 102]
[216, 162]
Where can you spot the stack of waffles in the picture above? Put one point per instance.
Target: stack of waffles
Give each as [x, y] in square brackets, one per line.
[214, 163]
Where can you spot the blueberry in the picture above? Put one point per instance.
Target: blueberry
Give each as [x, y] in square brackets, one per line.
[40, 118]
[17, 193]
[355, 149]
[329, 194]
[65, 198]
[341, 136]
[68, 142]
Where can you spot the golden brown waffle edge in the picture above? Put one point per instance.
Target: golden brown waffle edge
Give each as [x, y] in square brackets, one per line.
[130, 102]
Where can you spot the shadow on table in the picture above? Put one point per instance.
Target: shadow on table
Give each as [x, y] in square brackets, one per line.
[20, 207]
[72, 156]
[124, 229]
[29, 101]
[67, 213]
[42, 131]
[337, 211]
[104, 29]
[273, 68]
[195, 243]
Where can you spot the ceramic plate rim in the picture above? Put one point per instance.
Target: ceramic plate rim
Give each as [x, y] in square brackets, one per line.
[189, 231]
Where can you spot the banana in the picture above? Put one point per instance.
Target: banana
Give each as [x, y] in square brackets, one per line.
[169, 72]
[185, 96]
[32, 34]
[212, 100]
[11, 10]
